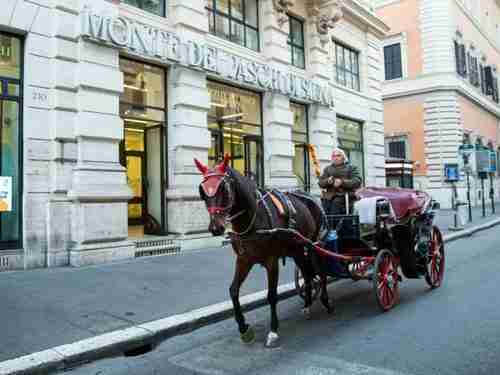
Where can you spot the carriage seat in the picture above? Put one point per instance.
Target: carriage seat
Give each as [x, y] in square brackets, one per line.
[372, 208]
[405, 202]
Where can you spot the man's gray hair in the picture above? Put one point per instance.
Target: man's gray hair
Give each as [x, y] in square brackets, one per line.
[340, 151]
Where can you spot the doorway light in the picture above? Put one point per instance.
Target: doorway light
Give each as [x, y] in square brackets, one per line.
[235, 115]
[217, 105]
[135, 88]
[138, 121]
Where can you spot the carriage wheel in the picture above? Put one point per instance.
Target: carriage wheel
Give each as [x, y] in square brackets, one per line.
[300, 286]
[385, 280]
[435, 260]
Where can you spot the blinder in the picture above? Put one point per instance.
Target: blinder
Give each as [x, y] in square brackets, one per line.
[210, 187]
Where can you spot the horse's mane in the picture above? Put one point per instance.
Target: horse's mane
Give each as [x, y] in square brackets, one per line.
[245, 188]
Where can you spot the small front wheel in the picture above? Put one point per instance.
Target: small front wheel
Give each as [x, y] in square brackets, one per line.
[300, 285]
[435, 260]
[385, 280]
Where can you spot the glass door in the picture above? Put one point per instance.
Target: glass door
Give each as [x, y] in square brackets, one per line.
[10, 141]
[253, 159]
[10, 225]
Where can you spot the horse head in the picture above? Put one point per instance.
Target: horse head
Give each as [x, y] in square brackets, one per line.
[217, 190]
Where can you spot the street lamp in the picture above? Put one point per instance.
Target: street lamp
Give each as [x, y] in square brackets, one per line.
[465, 156]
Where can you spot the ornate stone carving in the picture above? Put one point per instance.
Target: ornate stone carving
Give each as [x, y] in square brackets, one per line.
[281, 7]
[325, 15]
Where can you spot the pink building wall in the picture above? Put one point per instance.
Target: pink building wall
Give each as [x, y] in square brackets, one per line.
[478, 120]
[406, 116]
[405, 17]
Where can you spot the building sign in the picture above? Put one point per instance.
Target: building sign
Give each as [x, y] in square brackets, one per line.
[5, 194]
[149, 41]
[483, 161]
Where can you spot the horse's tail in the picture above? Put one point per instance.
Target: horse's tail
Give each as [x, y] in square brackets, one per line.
[317, 213]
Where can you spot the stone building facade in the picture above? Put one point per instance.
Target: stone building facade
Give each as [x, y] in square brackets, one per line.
[107, 104]
[441, 89]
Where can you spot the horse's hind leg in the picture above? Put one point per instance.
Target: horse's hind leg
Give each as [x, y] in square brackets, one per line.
[307, 274]
[241, 271]
[272, 267]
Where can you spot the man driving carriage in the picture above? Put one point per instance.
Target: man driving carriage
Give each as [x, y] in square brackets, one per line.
[339, 178]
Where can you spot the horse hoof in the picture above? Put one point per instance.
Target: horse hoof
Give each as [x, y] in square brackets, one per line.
[328, 307]
[273, 340]
[307, 312]
[248, 336]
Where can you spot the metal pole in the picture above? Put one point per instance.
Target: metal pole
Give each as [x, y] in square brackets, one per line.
[468, 197]
[454, 204]
[482, 196]
[492, 194]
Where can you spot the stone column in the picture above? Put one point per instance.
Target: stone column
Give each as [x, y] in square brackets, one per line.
[188, 138]
[99, 190]
[373, 132]
[322, 119]
[188, 134]
[278, 118]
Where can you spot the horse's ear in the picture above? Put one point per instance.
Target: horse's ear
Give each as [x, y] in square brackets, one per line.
[201, 167]
[225, 164]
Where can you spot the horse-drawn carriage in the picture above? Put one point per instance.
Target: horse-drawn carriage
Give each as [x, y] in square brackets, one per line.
[401, 234]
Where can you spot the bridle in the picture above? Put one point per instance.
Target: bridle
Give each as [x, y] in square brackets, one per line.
[211, 190]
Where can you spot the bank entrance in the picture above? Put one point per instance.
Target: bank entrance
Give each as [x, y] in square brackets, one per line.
[142, 151]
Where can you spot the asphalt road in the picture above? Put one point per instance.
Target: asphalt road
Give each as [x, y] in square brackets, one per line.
[454, 330]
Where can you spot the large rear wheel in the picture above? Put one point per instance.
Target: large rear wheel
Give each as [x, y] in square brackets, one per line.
[435, 260]
[300, 285]
[385, 280]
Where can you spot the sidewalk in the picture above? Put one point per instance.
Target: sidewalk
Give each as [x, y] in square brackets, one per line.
[45, 308]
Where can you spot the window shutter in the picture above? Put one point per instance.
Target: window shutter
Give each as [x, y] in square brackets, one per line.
[481, 76]
[463, 62]
[397, 149]
[457, 57]
[471, 68]
[495, 89]
[488, 75]
[476, 73]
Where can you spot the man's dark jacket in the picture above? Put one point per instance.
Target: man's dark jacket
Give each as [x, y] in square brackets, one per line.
[349, 174]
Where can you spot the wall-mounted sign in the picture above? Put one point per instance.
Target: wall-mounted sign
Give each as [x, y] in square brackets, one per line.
[5, 194]
[451, 172]
[149, 41]
[483, 161]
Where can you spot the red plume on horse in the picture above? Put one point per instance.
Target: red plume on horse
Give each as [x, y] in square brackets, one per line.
[231, 198]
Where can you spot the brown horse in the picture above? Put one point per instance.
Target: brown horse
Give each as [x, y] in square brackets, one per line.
[233, 198]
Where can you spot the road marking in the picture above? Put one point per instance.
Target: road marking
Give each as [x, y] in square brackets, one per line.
[229, 356]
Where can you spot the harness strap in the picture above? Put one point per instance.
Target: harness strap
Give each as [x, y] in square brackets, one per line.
[283, 197]
[278, 204]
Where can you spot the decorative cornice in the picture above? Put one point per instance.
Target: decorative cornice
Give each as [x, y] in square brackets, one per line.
[365, 16]
[281, 7]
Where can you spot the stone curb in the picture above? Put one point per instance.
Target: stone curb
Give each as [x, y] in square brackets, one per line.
[147, 335]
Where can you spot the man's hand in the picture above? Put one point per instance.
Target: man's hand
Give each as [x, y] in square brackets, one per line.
[330, 180]
[337, 183]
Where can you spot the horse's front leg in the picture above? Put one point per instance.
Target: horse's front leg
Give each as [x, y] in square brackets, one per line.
[241, 271]
[272, 267]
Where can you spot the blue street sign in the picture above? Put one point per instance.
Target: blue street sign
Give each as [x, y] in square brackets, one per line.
[451, 172]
